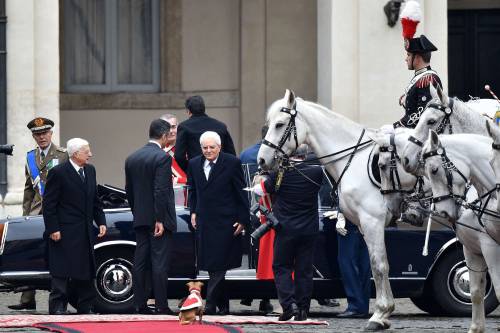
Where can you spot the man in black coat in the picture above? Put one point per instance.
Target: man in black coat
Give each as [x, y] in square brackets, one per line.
[219, 213]
[151, 198]
[190, 130]
[70, 206]
[295, 205]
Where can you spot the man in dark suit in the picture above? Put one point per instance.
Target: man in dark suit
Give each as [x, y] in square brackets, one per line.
[70, 205]
[295, 205]
[190, 130]
[151, 198]
[219, 213]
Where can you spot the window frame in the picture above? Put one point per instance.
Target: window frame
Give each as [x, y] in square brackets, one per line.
[111, 84]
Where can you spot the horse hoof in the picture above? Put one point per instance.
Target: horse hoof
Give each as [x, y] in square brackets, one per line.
[374, 326]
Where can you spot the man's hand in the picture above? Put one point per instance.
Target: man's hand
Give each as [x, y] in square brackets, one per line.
[102, 231]
[193, 220]
[340, 226]
[158, 229]
[239, 228]
[55, 236]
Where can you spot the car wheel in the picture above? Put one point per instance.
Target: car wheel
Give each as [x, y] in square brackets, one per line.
[450, 283]
[113, 282]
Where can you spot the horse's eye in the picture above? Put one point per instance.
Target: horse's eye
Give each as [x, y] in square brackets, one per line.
[431, 122]
[434, 170]
[279, 125]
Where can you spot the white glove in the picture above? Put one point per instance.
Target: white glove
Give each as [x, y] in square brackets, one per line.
[340, 226]
[387, 129]
[257, 189]
[331, 214]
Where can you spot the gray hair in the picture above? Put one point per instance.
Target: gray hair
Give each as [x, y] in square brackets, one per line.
[210, 135]
[168, 116]
[75, 144]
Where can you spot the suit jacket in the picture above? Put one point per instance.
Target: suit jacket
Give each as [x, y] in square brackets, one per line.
[218, 202]
[32, 200]
[70, 206]
[148, 183]
[187, 144]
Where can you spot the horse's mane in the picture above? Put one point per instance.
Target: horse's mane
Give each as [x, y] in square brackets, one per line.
[304, 104]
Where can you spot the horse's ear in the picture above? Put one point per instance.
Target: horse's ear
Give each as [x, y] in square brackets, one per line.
[493, 132]
[434, 138]
[442, 96]
[376, 135]
[290, 98]
[488, 128]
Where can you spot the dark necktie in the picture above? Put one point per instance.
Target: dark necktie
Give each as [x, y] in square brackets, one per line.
[211, 165]
[80, 172]
[42, 156]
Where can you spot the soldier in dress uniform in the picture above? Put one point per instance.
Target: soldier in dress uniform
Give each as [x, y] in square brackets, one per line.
[38, 162]
[417, 93]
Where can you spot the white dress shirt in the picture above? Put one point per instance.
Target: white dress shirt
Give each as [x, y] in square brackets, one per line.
[155, 142]
[77, 167]
[45, 151]
[206, 167]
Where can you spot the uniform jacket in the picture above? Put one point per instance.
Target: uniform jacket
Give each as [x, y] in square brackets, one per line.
[218, 202]
[148, 183]
[295, 203]
[32, 200]
[416, 96]
[70, 206]
[187, 144]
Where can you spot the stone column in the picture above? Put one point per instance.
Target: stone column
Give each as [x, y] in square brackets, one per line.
[32, 81]
[325, 53]
[253, 70]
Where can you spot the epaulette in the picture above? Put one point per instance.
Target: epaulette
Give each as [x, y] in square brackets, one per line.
[426, 80]
[61, 149]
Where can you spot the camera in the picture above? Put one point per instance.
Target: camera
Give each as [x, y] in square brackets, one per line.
[271, 221]
[6, 149]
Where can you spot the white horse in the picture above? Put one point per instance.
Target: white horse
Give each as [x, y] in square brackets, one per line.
[293, 121]
[446, 115]
[494, 132]
[402, 191]
[450, 162]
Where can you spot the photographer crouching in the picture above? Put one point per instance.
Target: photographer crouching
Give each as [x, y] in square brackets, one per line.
[295, 206]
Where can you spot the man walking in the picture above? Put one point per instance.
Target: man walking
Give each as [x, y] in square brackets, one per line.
[190, 130]
[178, 175]
[150, 194]
[38, 162]
[70, 206]
[219, 213]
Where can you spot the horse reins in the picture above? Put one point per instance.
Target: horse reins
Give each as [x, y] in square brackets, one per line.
[290, 128]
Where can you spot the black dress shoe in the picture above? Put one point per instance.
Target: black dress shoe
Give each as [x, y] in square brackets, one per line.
[328, 302]
[23, 306]
[352, 314]
[164, 311]
[301, 315]
[145, 310]
[289, 313]
[87, 312]
[265, 306]
[59, 312]
[223, 311]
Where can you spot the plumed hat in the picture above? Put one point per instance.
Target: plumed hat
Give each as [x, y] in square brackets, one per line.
[411, 15]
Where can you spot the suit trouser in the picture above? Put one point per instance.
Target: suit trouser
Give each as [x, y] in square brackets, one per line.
[151, 253]
[216, 295]
[65, 289]
[28, 296]
[354, 264]
[293, 254]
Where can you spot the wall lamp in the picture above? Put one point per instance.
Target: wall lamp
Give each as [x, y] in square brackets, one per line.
[391, 10]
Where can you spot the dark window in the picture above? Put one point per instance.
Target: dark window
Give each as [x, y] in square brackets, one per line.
[111, 45]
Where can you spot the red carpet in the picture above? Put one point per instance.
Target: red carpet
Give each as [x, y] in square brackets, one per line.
[136, 326]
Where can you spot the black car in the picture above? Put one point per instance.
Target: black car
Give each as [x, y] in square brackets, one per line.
[437, 283]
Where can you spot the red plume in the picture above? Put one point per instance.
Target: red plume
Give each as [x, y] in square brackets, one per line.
[411, 16]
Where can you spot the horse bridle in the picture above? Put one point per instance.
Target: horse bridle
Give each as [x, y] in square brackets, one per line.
[496, 146]
[442, 125]
[448, 167]
[393, 169]
[289, 130]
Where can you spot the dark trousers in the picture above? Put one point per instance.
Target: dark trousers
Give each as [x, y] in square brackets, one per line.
[80, 292]
[216, 295]
[293, 254]
[151, 254]
[354, 264]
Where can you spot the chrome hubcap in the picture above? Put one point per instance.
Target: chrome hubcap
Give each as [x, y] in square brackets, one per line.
[459, 284]
[114, 280]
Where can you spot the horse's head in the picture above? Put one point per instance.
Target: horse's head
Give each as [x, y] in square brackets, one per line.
[447, 183]
[286, 131]
[494, 132]
[434, 117]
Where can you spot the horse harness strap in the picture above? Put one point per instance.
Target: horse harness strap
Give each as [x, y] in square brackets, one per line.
[495, 146]
[448, 168]
[289, 130]
[393, 168]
